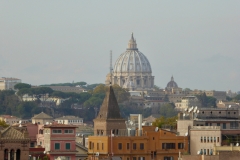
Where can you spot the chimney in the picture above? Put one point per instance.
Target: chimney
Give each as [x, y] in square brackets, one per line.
[140, 124]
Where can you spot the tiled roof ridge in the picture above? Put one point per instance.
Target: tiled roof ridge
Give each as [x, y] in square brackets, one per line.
[42, 113]
[5, 129]
[109, 108]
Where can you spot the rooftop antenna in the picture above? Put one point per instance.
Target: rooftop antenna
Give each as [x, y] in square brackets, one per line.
[110, 67]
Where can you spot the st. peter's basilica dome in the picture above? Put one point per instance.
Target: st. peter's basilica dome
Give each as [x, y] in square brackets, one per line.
[132, 60]
[132, 67]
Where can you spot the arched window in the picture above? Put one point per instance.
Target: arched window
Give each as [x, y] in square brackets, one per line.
[5, 154]
[12, 154]
[18, 154]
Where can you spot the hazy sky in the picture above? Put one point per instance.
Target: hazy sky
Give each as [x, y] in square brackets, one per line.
[198, 42]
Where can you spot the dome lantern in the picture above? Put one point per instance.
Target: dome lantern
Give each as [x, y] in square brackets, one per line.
[132, 45]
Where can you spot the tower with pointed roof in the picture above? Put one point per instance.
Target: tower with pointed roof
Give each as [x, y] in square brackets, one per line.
[132, 66]
[109, 118]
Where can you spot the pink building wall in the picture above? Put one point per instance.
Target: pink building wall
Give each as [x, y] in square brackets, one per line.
[62, 138]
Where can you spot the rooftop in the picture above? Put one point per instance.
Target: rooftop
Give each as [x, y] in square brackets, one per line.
[8, 116]
[42, 115]
[68, 118]
[13, 134]
[57, 125]
[8, 78]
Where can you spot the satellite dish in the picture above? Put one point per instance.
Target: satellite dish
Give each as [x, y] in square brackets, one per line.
[195, 108]
[229, 106]
[184, 115]
[186, 134]
[97, 153]
[198, 152]
[237, 144]
[20, 121]
[185, 109]
[197, 111]
[156, 129]
[47, 123]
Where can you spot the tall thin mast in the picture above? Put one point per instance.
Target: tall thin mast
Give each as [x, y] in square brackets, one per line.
[110, 67]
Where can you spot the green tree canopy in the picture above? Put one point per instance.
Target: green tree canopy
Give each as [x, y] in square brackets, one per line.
[3, 124]
[22, 85]
[237, 98]
[165, 122]
[207, 101]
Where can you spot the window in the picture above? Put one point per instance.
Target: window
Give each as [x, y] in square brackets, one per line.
[217, 139]
[224, 126]
[141, 158]
[168, 158]
[168, 145]
[68, 131]
[134, 158]
[32, 144]
[62, 157]
[56, 131]
[218, 124]
[180, 145]
[128, 146]
[141, 145]
[102, 146]
[97, 146]
[57, 146]
[68, 145]
[120, 146]
[134, 146]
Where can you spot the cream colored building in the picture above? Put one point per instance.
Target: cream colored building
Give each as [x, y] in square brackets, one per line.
[70, 120]
[9, 119]
[8, 83]
[203, 139]
[132, 69]
[187, 102]
[42, 118]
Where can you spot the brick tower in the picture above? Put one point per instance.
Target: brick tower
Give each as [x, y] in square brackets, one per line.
[109, 118]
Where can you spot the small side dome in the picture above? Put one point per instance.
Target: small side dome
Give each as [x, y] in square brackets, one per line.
[171, 84]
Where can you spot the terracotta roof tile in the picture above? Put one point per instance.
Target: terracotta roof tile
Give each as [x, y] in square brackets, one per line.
[42, 115]
[109, 108]
[12, 134]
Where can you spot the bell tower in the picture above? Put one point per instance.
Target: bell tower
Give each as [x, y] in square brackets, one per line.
[109, 118]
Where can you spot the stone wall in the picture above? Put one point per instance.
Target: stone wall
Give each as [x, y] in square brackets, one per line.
[231, 155]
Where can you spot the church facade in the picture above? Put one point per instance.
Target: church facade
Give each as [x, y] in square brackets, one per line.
[132, 69]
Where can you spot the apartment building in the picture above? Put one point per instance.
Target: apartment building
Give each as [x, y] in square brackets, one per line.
[59, 141]
[208, 127]
[112, 140]
[7, 83]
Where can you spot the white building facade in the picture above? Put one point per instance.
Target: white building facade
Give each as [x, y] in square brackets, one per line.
[8, 83]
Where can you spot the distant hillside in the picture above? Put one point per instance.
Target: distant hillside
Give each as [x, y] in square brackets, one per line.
[81, 84]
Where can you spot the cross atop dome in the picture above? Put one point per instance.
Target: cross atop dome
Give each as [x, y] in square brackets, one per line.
[132, 45]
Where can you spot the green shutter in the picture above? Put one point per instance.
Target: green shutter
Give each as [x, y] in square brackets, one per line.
[67, 145]
[57, 145]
